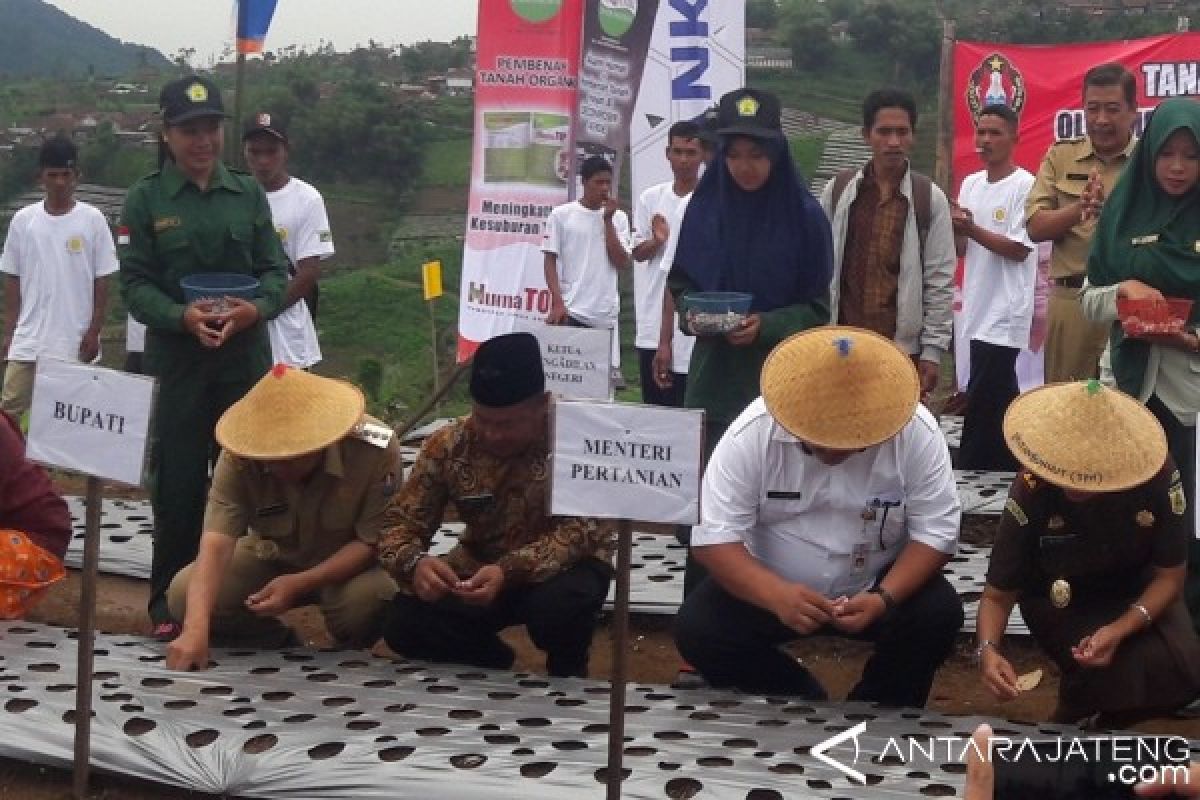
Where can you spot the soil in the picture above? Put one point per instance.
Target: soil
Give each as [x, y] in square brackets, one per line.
[652, 659]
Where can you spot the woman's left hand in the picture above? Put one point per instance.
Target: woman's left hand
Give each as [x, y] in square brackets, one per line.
[1098, 649]
[746, 333]
[239, 315]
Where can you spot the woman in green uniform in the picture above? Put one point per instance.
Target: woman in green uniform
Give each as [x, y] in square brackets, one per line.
[1093, 546]
[1147, 248]
[192, 216]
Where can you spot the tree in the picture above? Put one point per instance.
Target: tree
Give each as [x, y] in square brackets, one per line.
[805, 26]
[762, 14]
[909, 35]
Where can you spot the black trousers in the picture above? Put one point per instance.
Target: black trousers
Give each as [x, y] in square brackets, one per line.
[736, 644]
[560, 615]
[651, 394]
[990, 390]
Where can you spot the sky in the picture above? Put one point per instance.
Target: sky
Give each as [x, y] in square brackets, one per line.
[207, 25]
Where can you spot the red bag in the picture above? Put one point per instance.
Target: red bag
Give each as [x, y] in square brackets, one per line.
[1147, 317]
[26, 572]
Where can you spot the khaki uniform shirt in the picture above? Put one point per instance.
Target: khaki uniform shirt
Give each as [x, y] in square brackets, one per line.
[1060, 180]
[503, 503]
[302, 525]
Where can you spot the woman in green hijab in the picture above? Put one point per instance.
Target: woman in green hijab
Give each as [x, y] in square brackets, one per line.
[1147, 248]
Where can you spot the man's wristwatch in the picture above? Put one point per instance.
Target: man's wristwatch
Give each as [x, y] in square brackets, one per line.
[410, 566]
[984, 644]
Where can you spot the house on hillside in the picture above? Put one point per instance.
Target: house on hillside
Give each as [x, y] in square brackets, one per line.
[455, 83]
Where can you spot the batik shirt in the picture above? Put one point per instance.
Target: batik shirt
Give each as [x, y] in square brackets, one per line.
[503, 503]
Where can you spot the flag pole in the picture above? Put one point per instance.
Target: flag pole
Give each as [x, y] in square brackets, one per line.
[234, 152]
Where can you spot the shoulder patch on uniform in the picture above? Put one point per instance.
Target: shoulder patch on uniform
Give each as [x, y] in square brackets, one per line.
[1018, 513]
[1178, 499]
[373, 433]
[325, 236]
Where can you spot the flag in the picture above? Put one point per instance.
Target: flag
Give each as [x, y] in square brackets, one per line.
[253, 19]
[431, 277]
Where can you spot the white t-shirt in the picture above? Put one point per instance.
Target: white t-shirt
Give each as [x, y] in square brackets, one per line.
[998, 293]
[299, 214]
[586, 278]
[57, 259]
[650, 276]
[807, 521]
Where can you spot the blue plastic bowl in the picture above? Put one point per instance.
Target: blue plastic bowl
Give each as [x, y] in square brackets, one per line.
[215, 285]
[713, 313]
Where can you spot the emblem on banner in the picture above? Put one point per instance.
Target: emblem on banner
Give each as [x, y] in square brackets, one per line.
[995, 81]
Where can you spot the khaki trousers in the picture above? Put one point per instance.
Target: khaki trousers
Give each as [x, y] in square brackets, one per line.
[1073, 343]
[353, 611]
[17, 393]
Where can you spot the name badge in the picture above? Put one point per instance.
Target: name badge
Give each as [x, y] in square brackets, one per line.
[1149, 238]
[272, 510]
[779, 495]
[372, 433]
[858, 558]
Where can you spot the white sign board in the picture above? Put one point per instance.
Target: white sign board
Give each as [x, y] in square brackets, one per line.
[619, 461]
[576, 361]
[90, 419]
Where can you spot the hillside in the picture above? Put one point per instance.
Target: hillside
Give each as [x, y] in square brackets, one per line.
[38, 39]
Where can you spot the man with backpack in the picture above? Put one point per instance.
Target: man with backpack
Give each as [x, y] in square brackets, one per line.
[893, 243]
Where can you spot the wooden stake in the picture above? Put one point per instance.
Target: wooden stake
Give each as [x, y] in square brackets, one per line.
[620, 658]
[86, 639]
[945, 141]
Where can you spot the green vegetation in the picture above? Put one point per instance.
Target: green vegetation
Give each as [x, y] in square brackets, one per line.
[38, 39]
[375, 330]
[806, 152]
[446, 163]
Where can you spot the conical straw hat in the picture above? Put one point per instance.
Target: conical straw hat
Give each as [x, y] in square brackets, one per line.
[841, 388]
[290, 413]
[1083, 435]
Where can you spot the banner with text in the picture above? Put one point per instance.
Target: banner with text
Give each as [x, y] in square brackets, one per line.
[526, 92]
[616, 34]
[697, 53]
[90, 419]
[617, 461]
[1044, 85]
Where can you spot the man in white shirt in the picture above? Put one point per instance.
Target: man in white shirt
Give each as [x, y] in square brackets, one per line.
[998, 286]
[829, 507]
[663, 352]
[586, 243]
[57, 259]
[299, 213]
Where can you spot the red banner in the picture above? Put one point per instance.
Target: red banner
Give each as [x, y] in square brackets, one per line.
[1044, 85]
[526, 92]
